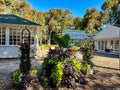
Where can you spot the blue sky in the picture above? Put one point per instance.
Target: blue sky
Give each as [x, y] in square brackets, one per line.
[77, 7]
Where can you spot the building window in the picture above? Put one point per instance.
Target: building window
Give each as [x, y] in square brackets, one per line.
[32, 32]
[14, 36]
[105, 44]
[2, 35]
[98, 45]
[102, 45]
[116, 45]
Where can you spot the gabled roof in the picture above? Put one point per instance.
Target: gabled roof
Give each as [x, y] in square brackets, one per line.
[108, 32]
[76, 34]
[13, 19]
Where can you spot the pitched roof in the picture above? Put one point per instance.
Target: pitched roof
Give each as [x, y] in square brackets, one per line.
[108, 32]
[13, 19]
[76, 34]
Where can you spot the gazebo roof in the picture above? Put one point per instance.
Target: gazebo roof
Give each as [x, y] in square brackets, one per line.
[76, 34]
[108, 32]
[13, 19]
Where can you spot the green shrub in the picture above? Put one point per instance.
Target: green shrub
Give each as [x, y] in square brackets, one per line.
[33, 71]
[18, 73]
[87, 52]
[77, 65]
[85, 68]
[49, 61]
[16, 77]
[57, 73]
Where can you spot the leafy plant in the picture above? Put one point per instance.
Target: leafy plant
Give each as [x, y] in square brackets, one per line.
[49, 61]
[85, 68]
[25, 62]
[57, 73]
[75, 47]
[62, 41]
[16, 77]
[77, 65]
[18, 74]
[33, 71]
[87, 52]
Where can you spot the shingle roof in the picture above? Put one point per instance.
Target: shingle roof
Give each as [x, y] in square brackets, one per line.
[109, 32]
[13, 19]
[76, 34]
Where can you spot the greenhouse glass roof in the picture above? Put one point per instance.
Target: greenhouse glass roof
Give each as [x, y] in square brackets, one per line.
[76, 34]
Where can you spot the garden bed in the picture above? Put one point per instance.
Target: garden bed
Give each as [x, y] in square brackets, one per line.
[102, 79]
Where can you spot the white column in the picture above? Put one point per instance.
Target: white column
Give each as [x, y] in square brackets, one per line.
[96, 45]
[114, 45]
[36, 40]
[7, 36]
[108, 44]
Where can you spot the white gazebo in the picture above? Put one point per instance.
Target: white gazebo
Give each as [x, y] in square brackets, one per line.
[107, 39]
[10, 34]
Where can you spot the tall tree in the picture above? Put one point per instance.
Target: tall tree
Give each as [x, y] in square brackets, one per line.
[5, 6]
[77, 23]
[57, 19]
[110, 10]
[91, 20]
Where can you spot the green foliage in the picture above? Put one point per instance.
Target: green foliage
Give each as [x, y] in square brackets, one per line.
[87, 51]
[85, 68]
[77, 65]
[78, 23]
[57, 73]
[49, 61]
[91, 20]
[25, 62]
[63, 41]
[75, 47]
[18, 74]
[16, 77]
[111, 12]
[33, 71]
[46, 84]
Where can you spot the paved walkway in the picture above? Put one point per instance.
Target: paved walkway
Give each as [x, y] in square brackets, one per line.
[9, 65]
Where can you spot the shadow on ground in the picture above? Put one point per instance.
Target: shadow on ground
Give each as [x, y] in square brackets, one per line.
[106, 55]
[104, 87]
[106, 67]
[104, 81]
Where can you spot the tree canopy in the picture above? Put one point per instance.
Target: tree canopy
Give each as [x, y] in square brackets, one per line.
[59, 19]
[111, 11]
[91, 20]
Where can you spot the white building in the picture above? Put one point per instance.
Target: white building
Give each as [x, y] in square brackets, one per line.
[107, 39]
[10, 34]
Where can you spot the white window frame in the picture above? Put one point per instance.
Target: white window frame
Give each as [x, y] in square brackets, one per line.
[14, 32]
[2, 36]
